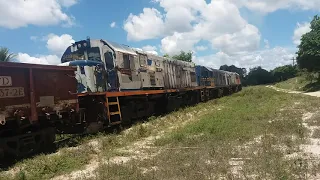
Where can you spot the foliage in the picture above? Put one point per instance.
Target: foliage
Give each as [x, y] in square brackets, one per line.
[309, 48]
[241, 71]
[5, 56]
[295, 84]
[283, 73]
[183, 56]
[258, 76]
[304, 82]
[166, 55]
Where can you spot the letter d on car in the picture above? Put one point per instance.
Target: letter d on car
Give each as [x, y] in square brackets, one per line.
[5, 81]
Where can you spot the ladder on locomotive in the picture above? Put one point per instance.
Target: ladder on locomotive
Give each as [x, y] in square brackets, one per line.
[114, 113]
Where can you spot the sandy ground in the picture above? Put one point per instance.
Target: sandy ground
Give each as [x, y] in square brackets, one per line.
[137, 150]
[311, 149]
[315, 94]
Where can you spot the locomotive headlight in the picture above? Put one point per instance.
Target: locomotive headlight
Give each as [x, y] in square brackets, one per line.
[79, 45]
[85, 44]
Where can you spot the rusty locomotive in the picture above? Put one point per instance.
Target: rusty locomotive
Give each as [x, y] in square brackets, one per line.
[98, 84]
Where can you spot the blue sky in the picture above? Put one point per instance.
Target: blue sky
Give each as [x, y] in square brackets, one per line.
[246, 33]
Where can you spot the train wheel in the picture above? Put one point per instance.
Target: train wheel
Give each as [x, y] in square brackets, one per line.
[220, 93]
[49, 139]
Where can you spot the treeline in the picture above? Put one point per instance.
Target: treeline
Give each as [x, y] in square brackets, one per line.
[258, 75]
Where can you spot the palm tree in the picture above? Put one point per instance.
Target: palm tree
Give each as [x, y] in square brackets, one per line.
[5, 56]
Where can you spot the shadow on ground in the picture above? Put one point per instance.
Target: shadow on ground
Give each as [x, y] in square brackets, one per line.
[312, 87]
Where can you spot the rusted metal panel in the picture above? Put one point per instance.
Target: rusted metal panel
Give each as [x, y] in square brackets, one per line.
[177, 74]
[28, 91]
[151, 72]
[34, 66]
[128, 71]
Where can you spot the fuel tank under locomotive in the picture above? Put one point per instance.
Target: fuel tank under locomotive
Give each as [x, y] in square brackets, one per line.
[33, 100]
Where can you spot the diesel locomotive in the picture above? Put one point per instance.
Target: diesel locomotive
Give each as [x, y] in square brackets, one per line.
[99, 84]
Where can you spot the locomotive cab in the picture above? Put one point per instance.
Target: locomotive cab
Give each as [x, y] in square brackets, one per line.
[91, 76]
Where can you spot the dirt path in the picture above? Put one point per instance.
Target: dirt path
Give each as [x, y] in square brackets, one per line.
[310, 150]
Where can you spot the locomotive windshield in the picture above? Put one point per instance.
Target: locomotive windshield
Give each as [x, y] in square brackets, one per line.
[81, 51]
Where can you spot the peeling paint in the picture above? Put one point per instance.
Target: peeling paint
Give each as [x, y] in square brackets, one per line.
[90, 75]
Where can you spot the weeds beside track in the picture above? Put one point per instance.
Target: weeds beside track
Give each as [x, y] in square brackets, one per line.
[254, 134]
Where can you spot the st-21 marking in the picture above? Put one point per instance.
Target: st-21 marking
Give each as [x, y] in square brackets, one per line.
[11, 92]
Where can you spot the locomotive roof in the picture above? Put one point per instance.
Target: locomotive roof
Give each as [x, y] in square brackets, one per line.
[120, 47]
[135, 51]
[212, 69]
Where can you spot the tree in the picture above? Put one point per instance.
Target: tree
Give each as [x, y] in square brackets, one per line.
[283, 73]
[258, 76]
[241, 71]
[309, 48]
[183, 56]
[5, 56]
[166, 55]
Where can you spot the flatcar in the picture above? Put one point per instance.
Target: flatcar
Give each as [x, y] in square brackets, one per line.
[99, 84]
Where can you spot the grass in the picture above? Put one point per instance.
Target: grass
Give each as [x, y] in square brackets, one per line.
[299, 84]
[296, 84]
[48, 166]
[246, 135]
[316, 133]
[257, 127]
[314, 120]
[245, 115]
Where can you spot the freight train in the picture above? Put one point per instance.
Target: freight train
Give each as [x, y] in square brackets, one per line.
[99, 84]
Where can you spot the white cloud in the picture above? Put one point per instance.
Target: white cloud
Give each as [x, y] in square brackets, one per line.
[21, 13]
[177, 42]
[189, 4]
[184, 23]
[201, 48]
[39, 59]
[55, 44]
[267, 58]
[247, 39]
[113, 24]
[179, 19]
[58, 44]
[268, 6]
[150, 49]
[68, 3]
[236, 41]
[300, 30]
[146, 25]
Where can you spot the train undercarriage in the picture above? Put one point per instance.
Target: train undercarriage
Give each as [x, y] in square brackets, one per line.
[98, 112]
